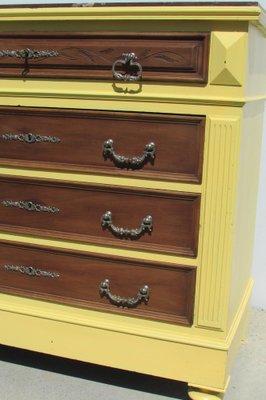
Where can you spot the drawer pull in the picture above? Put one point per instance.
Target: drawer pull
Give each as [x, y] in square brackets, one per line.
[128, 162]
[27, 54]
[31, 271]
[30, 138]
[29, 206]
[125, 233]
[129, 60]
[129, 302]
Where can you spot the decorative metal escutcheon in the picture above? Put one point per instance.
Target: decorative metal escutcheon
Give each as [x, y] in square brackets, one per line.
[128, 302]
[128, 162]
[127, 60]
[30, 271]
[125, 233]
[30, 206]
[30, 138]
[27, 54]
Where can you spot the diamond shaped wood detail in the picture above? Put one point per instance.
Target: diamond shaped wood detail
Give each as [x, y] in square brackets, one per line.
[228, 53]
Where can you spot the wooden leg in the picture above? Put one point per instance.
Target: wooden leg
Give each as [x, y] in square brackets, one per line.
[197, 394]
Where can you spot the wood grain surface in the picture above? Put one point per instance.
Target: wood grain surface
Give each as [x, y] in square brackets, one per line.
[178, 139]
[179, 57]
[172, 287]
[175, 215]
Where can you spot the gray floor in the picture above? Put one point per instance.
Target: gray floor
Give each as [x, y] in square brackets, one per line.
[25, 375]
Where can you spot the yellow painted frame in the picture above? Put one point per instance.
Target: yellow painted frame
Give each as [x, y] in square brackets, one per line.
[205, 351]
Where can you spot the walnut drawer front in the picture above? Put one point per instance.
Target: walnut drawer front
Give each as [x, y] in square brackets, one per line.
[131, 218]
[76, 279]
[180, 57]
[129, 144]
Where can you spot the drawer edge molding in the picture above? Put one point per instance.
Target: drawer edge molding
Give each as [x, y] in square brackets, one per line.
[94, 249]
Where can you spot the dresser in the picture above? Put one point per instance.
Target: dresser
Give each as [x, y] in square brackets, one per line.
[129, 160]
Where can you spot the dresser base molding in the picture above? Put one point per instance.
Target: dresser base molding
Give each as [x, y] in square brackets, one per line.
[147, 356]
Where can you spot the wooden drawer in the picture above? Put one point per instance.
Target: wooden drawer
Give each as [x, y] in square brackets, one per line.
[79, 212]
[143, 145]
[75, 279]
[180, 57]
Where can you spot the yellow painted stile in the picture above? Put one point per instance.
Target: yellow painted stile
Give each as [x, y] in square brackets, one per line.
[218, 220]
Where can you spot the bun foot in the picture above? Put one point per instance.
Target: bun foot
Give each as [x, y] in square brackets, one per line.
[197, 394]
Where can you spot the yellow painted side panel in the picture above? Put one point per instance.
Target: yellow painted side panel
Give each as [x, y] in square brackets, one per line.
[255, 68]
[250, 152]
[238, 331]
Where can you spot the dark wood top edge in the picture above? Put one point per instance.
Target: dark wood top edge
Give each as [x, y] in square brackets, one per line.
[202, 35]
[137, 4]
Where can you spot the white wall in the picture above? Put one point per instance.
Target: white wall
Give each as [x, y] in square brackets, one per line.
[259, 261]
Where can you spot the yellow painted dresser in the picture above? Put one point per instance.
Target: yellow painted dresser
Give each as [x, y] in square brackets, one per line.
[129, 160]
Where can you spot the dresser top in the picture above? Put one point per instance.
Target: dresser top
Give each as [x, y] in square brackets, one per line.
[129, 3]
[124, 3]
[248, 11]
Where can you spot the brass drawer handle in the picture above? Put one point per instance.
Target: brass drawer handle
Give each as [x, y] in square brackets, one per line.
[30, 138]
[128, 162]
[129, 302]
[125, 233]
[127, 59]
[27, 54]
[31, 271]
[30, 206]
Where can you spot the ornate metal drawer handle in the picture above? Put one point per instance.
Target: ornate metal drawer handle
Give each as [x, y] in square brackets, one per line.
[128, 162]
[125, 233]
[30, 206]
[31, 271]
[129, 302]
[27, 54]
[30, 138]
[130, 60]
